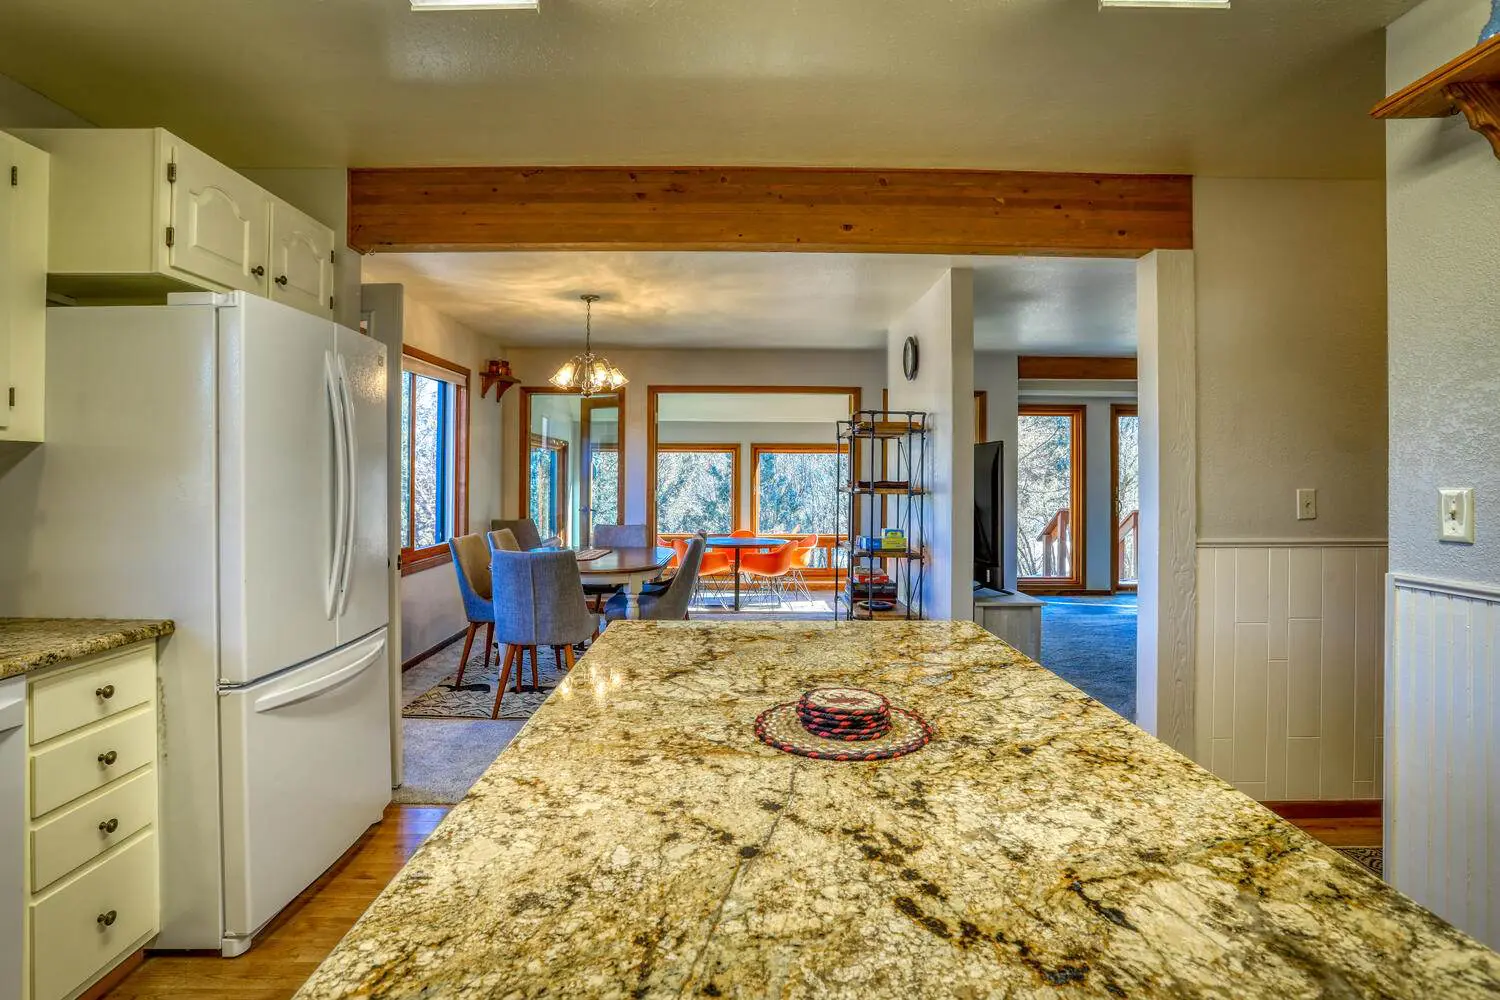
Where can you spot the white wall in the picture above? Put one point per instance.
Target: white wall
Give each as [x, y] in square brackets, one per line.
[942, 320]
[431, 609]
[533, 366]
[1443, 706]
[22, 107]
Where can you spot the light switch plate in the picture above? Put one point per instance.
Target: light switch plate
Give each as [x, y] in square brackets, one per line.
[1307, 505]
[1456, 515]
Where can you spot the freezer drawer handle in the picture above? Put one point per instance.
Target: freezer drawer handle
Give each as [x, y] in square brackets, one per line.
[106, 919]
[108, 758]
[302, 692]
[105, 693]
[109, 826]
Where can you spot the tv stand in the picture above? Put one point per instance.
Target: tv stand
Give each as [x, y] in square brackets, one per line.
[1016, 618]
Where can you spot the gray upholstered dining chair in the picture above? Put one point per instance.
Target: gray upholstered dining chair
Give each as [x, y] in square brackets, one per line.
[672, 604]
[526, 532]
[503, 539]
[620, 536]
[539, 601]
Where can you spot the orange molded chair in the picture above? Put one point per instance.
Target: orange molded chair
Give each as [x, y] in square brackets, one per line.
[806, 546]
[771, 568]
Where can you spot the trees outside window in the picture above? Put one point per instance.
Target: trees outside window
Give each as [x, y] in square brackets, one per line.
[434, 455]
[795, 492]
[549, 485]
[1049, 451]
[1127, 493]
[697, 488]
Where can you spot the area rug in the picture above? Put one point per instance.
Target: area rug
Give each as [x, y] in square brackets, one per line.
[477, 696]
[443, 758]
[1090, 643]
[1369, 858]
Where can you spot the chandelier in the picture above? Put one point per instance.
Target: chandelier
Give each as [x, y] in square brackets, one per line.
[588, 373]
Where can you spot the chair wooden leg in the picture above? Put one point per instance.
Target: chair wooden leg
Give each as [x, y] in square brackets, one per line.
[569, 656]
[489, 644]
[510, 654]
[521, 665]
[468, 645]
[536, 681]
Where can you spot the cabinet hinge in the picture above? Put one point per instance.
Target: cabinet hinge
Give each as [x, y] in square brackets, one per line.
[171, 236]
[333, 257]
[171, 173]
[15, 176]
[330, 301]
[12, 397]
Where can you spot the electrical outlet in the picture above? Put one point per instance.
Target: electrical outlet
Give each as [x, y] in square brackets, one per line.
[1456, 515]
[1307, 505]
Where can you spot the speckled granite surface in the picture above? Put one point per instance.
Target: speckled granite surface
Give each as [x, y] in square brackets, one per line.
[636, 840]
[28, 643]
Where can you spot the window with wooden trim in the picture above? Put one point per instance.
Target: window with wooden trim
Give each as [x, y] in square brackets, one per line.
[794, 492]
[1049, 495]
[697, 488]
[549, 485]
[434, 456]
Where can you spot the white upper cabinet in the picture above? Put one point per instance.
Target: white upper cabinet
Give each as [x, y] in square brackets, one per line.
[301, 272]
[23, 288]
[139, 213]
[219, 221]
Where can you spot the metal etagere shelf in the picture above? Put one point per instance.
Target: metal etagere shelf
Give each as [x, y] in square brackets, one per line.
[886, 490]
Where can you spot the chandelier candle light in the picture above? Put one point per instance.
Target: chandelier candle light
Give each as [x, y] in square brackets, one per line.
[588, 373]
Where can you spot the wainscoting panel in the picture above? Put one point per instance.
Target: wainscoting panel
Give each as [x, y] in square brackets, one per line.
[1289, 667]
[1442, 829]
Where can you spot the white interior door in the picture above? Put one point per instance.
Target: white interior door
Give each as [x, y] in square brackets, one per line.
[280, 483]
[365, 601]
[220, 223]
[306, 770]
[301, 260]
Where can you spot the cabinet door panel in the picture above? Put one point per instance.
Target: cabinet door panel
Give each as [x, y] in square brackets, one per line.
[220, 222]
[7, 269]
[301, 261]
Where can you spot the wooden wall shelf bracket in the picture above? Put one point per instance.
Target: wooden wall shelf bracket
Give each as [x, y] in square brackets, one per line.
[1470, 84]
[502, 381]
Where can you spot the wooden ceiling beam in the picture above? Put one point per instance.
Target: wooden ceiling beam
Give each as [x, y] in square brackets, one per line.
[407, 209]
[1041, 367]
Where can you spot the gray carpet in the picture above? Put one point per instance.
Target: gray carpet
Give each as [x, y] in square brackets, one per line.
[1090, 643]
[444, 757]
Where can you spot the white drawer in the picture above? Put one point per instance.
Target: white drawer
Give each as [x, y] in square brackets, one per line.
[71, 942]
[90, 759]
[70, 699]
[91, 826]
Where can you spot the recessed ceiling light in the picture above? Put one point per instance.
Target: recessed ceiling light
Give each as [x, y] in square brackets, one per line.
[475, 5]
[1205, 4]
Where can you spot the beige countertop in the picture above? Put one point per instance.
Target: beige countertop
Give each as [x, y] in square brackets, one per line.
[29, 643]
[637, 840]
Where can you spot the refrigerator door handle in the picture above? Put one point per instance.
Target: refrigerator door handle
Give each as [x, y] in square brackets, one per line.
[338, 539]
[273, 700]
[351, 458]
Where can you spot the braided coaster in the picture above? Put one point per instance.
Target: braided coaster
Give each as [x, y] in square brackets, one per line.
[845, 701]
[781, 728]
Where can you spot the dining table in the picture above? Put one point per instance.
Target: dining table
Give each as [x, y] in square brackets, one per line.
[630, 568]
[739, 544]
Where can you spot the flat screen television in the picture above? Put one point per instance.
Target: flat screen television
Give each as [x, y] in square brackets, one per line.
[989, 514]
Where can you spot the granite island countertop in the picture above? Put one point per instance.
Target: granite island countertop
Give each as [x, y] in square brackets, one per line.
[636, 840]
[29, 643]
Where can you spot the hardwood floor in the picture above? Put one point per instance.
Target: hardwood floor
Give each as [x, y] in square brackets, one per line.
[287, 954]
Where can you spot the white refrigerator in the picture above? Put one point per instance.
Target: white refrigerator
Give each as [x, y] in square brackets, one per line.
[221, 461]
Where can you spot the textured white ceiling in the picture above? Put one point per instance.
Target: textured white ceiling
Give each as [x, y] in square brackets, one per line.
[1271, 87]
[682, 300]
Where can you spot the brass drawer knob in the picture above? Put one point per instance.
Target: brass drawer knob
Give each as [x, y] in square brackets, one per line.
[106, 919]
[108, 758]
[281, 280]
[109, 826]
[105, 693]
[258, 270]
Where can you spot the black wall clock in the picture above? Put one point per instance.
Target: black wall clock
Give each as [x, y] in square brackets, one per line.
[909, 359]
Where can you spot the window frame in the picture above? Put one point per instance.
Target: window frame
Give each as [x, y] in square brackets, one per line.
[560, 491]
[1078, 517]
[729, 448]
[411, 559]
[825, 539]
[1116, 411]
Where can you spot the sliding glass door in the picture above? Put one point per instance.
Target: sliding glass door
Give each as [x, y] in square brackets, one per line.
[1049, 496]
